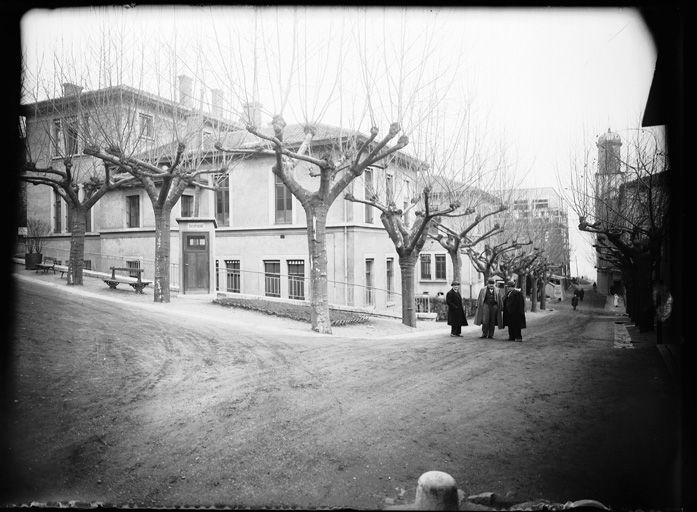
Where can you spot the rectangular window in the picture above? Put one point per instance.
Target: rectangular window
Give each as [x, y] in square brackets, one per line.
[233, 276]
[222, 199]
[440, 266]
[369, 291]
[68, 218]
[57, 213]
[87, 264]
[187, 206]
[296, 279]
[71, 135]
[147, 128]
[367, 194]
[85, 127]
[272, 278]
[540, 203]
[389, 188]
[196, 242]
[57, 136]
[133, 206]
[207, 140]
[133, 264]
[389, 277]
[217, 275]
[284, 202]
[425, 266]
[88, 221]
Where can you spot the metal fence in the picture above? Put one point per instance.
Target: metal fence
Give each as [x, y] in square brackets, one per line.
[103, 262]
[297, 287]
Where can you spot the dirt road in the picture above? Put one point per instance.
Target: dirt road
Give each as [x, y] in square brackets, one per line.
[121, 406]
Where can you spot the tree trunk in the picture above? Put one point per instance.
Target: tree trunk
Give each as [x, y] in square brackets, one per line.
[457, 265]
[76, 264]
[317, 249]
[524, 287]
[533, 295]
[162, 246]
[543, 296]
[406, 266]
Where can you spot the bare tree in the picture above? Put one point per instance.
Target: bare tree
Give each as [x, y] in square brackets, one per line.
[455, 242]
[55, 130]
[625, 204]
[120, 107]
[408, 241]
[391, 81]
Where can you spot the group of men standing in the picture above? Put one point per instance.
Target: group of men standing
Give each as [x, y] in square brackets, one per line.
[494, 308]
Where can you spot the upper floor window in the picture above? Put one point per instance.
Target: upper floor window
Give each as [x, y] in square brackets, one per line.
[222, 199]
[147, 126]
[283, 201]
[187, 206]
[389, 188]
[65, 136]
[133, 211]
[368, 193]
[207, 140]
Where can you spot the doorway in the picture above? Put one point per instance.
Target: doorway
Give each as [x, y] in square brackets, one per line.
[196, 262]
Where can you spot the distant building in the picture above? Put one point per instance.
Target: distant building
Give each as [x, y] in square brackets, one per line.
[608, 180]
[539, 213]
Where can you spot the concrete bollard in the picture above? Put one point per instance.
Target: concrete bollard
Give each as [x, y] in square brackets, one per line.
[436, 490]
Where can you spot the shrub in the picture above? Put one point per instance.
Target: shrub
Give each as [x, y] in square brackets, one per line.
[299, 312]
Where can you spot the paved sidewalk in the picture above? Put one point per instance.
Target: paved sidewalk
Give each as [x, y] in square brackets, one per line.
[201, 306]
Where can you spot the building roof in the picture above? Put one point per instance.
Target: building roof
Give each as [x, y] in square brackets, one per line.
[120, 93]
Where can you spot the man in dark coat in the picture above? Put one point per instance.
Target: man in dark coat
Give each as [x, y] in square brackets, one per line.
[514, 312]
[489, 309]
[456, 313]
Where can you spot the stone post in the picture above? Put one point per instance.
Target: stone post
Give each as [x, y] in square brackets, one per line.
[436, 490]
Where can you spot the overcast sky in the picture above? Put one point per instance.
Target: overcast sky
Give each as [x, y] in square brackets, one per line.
[545, 81]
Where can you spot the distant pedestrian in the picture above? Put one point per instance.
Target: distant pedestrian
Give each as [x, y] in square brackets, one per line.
[514, 312]
[594, 287]
[489, 310]
[574, 301]
[617, 300]
[456, 312]
[581, 293]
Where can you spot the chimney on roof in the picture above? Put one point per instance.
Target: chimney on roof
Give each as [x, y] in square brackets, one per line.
[71, 89]
[186, 91]
[217, 102]
[251, 113]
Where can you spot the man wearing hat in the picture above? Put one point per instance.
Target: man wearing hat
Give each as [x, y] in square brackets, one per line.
[489, 310]
[514, 312]
[456, 313]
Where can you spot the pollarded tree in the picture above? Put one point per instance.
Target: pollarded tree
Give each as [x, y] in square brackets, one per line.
[151, 139]
[456, 242]
[626, 202]
[335, 172]
[486, 260]
[54, 131]
[408, 241]
[355, 80]
[164, 181]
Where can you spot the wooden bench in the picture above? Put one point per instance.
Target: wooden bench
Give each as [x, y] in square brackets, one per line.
[138, 284]
[46, 265]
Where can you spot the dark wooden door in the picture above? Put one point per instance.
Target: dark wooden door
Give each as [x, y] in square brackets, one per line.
[196, 262]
